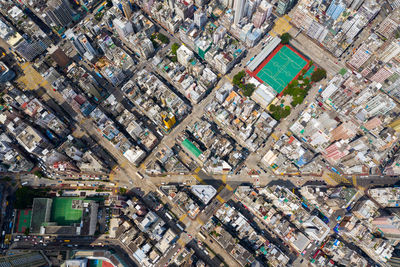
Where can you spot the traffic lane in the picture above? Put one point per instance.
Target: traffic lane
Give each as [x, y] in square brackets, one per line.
[116, 247]
[200, 253]
[168, 258]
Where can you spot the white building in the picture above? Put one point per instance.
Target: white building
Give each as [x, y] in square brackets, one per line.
[184, 55]
[123, 27]
[239, 8]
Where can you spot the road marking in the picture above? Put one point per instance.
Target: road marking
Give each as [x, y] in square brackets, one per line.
[199, 179]
[220, 188]
[224, 178]
[199, 221]
[183, 217]
[229, 187]
[229, 79]
[274, 136]
[329, 180]
[197, 170]
[181, 242]
[220, 199]
[123, 164]
[354, 181]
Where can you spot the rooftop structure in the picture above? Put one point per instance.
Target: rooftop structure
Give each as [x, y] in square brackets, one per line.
[204, 192]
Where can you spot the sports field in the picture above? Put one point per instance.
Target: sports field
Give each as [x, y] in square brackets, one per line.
[63, 213]
[24, 220]
[281, 67]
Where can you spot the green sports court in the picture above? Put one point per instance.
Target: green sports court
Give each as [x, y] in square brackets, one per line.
[64, 213]
[24, 220]
[281, 67]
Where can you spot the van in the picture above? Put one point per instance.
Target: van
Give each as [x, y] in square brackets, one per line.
[168, 215]
[140, 175]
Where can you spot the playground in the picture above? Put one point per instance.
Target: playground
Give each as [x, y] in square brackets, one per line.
[282, 66]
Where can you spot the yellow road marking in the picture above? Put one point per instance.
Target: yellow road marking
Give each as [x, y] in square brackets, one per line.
[226, 76]
[123, 164]
[354, 180]
[229, 187]
[329, 180]
[274, 136]
[220, 188]
[181, 242]
[183, 217]
[199, 221]
[197, 170]
[220, 199]
[224, 178]
[199, 179]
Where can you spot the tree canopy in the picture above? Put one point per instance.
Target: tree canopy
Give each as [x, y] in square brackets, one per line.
[164, 39]
[285, 38]
[174, 48]
[318, 75]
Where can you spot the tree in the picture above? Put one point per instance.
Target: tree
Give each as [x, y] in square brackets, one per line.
[237, 79]
[26, 232]
[272, 107]
[38, 174]
[164, 39]
[248, 89]
[122, 191]
[174, 48]
[285, 38]
[318, 75]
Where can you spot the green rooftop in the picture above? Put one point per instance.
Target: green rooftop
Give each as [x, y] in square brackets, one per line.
[192, 148]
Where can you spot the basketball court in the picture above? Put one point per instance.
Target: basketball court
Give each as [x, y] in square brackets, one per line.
[24, 220]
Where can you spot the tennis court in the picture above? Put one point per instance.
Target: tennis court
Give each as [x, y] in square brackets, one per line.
[24, 220]
[282, 68]
[63, 213]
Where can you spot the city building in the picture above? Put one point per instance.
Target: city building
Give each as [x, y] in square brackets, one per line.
[6, 74]
[60, 13]
[125, 6]
[239, 8]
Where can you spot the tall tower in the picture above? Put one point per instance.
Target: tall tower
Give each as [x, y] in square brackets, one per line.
[239, 10]
[125, 6]
[59, 12]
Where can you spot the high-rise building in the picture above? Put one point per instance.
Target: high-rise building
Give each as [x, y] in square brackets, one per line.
[30, 49]
[83, 46]
[335, 9]
[360, 56]
[344, 131]
[251, 7]
[200, 18]
[184, 55]
[59, 12]
[125, 6]
[382, 74]
[123, 27]
[284, 6]
[263, 12]
[379, 105]
[389, 226]
[171, 4]
[5, 73]
[31, 259]
[388, 25]
[391, 51]
[239, 8]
